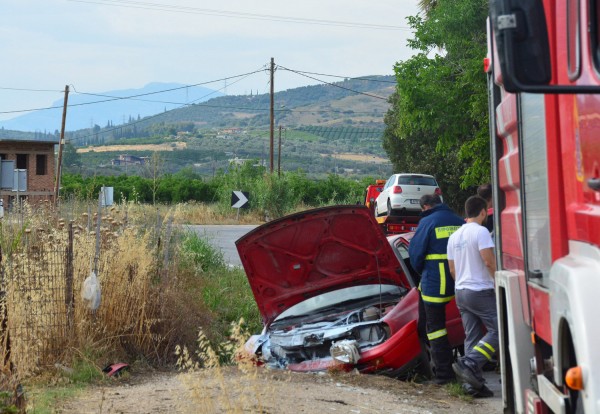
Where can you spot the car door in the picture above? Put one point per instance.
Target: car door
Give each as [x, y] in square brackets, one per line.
[383, 196]
[456, 332]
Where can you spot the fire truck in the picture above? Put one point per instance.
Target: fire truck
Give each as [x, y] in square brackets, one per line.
[543, 69]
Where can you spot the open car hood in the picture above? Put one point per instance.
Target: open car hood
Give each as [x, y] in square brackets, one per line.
[306, 254]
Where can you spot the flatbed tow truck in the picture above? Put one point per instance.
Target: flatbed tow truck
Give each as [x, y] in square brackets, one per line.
[394, 224]
[398, 224]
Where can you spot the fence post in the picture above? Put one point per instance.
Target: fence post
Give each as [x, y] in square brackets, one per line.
[69, 296]
[98, 221]
[166, 247]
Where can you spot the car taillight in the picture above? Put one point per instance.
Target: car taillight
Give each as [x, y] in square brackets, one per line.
[438, 191]
[397, 189]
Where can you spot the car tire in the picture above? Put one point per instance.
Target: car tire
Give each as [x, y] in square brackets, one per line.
[375, 210]
[424, 366]
[390, 212]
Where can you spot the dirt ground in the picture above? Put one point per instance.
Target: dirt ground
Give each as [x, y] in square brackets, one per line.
[267, 391]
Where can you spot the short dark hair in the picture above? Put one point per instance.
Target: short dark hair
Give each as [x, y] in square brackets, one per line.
[485, 191]
[430, 200]
[474, 205]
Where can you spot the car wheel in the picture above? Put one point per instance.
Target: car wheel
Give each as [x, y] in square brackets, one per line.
[424, 366]
[375, 210]
[389, 208]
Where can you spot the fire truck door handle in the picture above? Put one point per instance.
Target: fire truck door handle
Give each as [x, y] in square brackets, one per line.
[594, 184]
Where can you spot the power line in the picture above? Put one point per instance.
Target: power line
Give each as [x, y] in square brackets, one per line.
[116, 98]
[162, 113]
[30, 90]
[343, 77]
[333, 84]
[239, 15]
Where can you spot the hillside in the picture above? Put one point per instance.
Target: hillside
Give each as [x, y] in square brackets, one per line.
[325, 129]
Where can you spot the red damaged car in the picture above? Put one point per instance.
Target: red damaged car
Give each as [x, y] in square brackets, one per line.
[333, 291]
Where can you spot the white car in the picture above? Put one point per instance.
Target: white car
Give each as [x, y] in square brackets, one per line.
[401, 193]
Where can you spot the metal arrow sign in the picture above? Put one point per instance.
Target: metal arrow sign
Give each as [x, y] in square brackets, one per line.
[239, 199]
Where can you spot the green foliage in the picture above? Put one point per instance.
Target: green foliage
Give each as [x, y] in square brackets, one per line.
[198, 253]
[70, 156]
[438, 122]
[85, 372]
[225, 291]
[270, 194]
[6, 404]
[228, 294]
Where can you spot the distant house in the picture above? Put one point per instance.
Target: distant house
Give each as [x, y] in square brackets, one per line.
[126, 159]
[27, 171]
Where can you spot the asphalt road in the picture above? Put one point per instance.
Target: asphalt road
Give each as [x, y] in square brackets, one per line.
[223, 237]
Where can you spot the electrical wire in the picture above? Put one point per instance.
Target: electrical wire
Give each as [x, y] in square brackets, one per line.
[239, 15]
[165, 112]
[343, 77]
[116, 98]
[30, 90]
[333, 84]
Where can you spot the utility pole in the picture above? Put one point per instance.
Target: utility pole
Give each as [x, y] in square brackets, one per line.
[272, 128]
[60, 147]
[279, 155]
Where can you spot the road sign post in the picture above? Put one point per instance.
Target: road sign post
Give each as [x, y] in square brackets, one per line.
[239, 199]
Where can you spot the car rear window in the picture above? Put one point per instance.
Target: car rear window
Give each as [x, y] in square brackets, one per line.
[417, 180]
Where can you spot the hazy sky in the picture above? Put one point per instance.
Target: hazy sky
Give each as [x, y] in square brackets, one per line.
[102, 45]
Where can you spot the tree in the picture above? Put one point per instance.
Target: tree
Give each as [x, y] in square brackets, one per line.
[439, 120]
[70, 156]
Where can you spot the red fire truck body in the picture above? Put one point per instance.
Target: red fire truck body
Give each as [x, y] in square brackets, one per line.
[545, 146]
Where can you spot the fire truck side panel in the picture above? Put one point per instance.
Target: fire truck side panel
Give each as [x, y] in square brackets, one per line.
[549, 217]
[540, 306]
[579, 124]
[574, 307]
[515, 340]
[509, 182]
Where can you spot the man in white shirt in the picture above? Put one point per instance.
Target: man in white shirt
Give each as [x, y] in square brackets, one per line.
[473, 265]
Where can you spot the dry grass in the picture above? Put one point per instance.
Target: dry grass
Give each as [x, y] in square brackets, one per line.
[146, 306]
[150, 299]
[200, 213]
[190, 212]
[205, 374]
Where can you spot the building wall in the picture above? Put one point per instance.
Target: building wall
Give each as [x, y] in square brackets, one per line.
[39, 187]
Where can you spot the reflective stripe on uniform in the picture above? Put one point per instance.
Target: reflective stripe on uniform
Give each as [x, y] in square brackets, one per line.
[483, 351]
[442, 279]
[488, 346]
[445, 232]
[437, 334]
[436, 300]
[436, 257]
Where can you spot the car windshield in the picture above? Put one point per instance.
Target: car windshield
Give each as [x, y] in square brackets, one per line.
[416, 180]
[350, 294]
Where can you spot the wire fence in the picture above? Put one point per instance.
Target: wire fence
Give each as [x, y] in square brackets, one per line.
[37, 310]
[40, 278]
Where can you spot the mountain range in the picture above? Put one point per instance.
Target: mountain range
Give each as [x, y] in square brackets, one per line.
[111, 107]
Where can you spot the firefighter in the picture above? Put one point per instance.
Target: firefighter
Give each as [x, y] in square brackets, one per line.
[427, 252]
[472, 264]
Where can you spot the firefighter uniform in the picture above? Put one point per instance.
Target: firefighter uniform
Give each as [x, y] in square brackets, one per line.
[428, 257]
